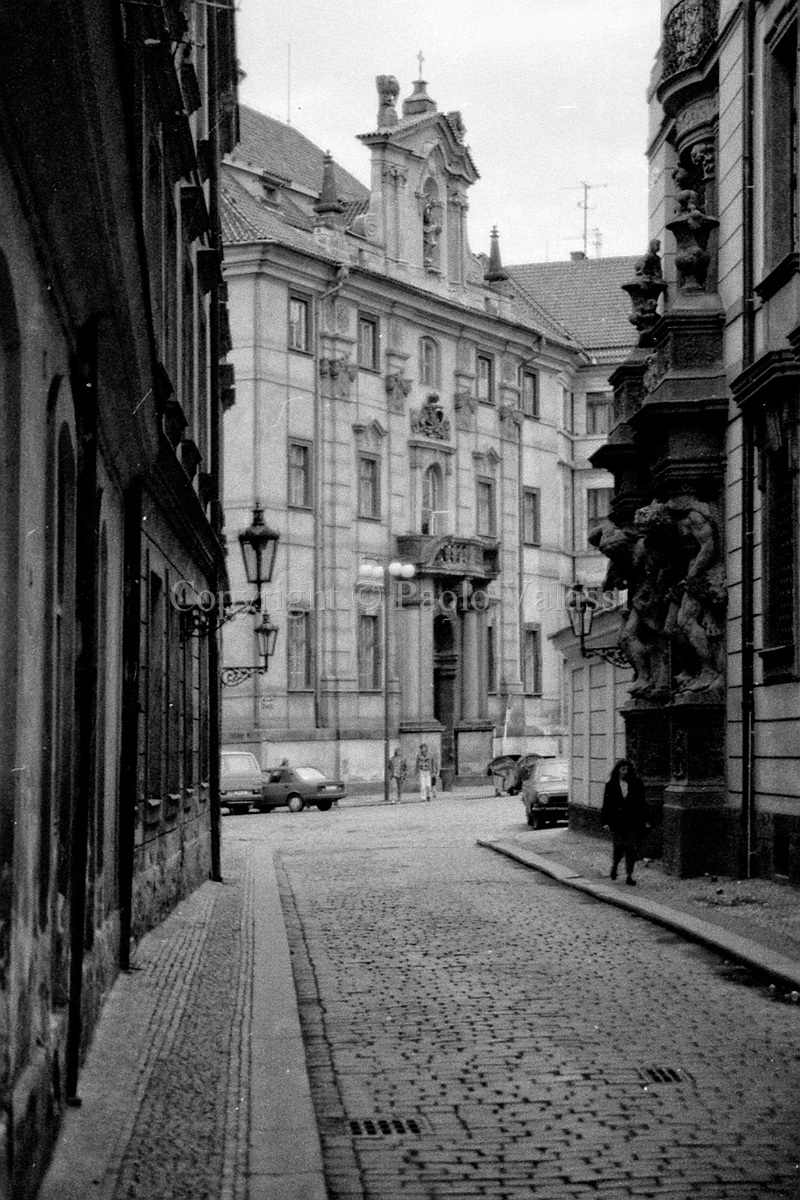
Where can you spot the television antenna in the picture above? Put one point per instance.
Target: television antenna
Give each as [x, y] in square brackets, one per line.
[584, 204]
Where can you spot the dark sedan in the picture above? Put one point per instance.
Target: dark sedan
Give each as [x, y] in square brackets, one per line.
[296, 787]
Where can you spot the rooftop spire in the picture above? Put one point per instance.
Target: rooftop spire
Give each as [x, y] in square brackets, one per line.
[494, 273]
[419, 101]
[329, 201]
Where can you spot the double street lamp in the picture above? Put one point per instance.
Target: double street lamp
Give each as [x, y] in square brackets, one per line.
[258, 544]
[376, 573]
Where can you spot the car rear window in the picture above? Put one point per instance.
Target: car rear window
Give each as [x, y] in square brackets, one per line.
[239, 764]
[309, 774]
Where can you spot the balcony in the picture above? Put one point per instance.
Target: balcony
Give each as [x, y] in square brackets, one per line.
[459, 557]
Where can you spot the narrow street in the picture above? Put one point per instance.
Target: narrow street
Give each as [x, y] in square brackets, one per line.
[473, 1028]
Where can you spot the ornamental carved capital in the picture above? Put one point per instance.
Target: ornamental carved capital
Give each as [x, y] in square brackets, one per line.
[340, 374]
[397, 388]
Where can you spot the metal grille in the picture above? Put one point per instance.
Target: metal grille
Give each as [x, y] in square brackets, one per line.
[377, 1127]
[662, 1075]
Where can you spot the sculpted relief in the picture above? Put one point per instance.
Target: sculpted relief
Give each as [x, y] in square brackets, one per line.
[671, 563]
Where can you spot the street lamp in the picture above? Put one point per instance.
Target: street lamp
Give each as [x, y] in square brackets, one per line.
[376, 573]
[258, 545]
[581, 607]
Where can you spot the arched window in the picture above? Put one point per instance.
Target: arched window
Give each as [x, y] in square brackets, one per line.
[428, 362]
[432, 498]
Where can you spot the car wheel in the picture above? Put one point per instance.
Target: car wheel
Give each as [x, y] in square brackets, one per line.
[324, 805]
[295, 802]
[239, 809]
[530, 819]
[263, 808]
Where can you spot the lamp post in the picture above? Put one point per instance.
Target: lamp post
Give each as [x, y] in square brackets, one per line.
[258, 545]
[581, 607]
[376, 573]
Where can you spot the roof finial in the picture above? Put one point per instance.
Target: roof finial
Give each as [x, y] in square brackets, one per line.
[329, 201]
[420, 60]
[494, 273]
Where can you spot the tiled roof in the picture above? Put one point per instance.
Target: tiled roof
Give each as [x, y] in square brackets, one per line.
[245, 220]
[282, 150]
[585, 296]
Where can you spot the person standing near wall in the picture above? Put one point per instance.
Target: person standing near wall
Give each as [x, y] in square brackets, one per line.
[624, 812]
[397, 772]
[425, 766]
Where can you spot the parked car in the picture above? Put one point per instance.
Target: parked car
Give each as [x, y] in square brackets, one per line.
[298, 786]
[545, 792]
[240, 780]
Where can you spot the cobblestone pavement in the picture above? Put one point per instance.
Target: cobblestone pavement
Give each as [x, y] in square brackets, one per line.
[475, 1029]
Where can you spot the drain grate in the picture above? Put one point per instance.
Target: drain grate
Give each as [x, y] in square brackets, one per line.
[376, 1127]
[662, 1075]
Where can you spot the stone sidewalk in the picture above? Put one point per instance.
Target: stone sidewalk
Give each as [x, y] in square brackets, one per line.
[755, 922]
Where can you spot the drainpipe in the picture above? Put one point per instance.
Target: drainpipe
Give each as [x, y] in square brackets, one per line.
[748, 454]
[129, 735]
[215, 455]
[84, 389]
[342, 275]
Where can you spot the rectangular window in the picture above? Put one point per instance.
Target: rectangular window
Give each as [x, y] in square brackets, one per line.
[532, 661]
[487, 513]
[484, 371]
[299, 475]
[598, 412]
[529, 386]
[369, 494]
[598, 506]
[368, 343]
[298, 650]
[780, 144]
[369, 653]
[531, 509]
[491, 658]
[299, 331]
[568, 402]
[780, 561]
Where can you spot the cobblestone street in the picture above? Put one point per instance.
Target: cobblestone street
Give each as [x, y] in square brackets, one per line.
[475, 1029]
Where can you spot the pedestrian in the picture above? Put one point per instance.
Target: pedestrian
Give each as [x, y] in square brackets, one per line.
[624, 812]
[397, 772]
[425, 765]
[434, 772]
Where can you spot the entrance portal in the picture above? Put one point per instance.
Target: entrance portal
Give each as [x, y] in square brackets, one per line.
[445, 671]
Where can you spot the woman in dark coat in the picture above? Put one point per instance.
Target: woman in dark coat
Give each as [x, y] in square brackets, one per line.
[625, 813]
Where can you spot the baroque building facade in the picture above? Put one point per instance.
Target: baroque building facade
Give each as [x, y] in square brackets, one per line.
[111, 330]
[704, 523]
[398, 398]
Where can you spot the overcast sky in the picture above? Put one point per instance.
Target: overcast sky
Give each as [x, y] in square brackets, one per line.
[552, 93]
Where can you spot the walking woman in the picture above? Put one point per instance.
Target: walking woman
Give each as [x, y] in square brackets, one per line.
[625, 813]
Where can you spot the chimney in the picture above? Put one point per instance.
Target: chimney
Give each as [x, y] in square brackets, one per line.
[578, 255]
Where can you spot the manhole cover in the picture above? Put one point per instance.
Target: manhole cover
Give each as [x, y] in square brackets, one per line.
[377, 1127]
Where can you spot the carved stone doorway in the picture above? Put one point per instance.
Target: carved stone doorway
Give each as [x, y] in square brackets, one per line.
[445, 672]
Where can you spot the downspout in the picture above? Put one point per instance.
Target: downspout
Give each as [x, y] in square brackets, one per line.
[84, 389]
[215, 442]
[748, 453]
[318, 493]
[129, 735]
